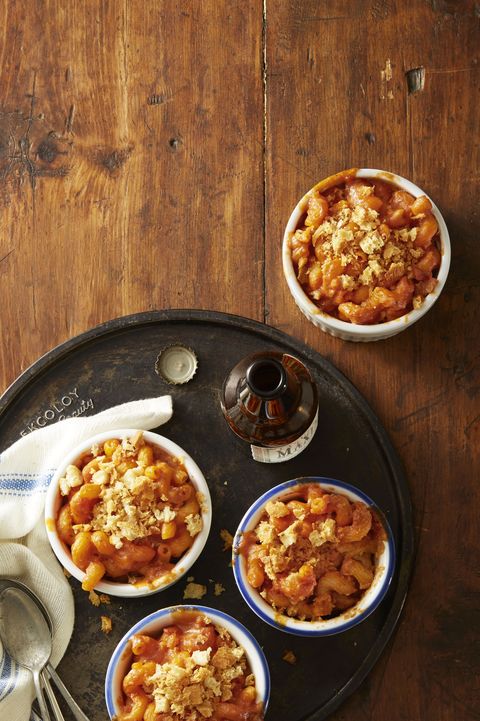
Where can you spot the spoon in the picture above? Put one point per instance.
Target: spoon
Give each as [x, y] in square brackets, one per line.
[49, 672]
[26, 637]
[57, 711]
[72, 704]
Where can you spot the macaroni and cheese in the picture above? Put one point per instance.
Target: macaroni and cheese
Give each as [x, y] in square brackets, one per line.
[192, 671]
[129, 512]
[313, 554]
[365, 252]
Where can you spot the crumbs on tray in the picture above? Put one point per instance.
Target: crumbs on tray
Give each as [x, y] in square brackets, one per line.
[96, 599]
[227, 539]
[194, 590]
[289, 657]
[199, 590]
[218, 589]
[106, 624]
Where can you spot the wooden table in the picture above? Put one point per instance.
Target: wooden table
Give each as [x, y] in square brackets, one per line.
[150, 155]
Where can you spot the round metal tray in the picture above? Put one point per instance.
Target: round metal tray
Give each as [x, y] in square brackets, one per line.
[115, 362]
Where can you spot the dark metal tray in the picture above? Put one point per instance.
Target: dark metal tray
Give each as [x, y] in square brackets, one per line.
[115, 362]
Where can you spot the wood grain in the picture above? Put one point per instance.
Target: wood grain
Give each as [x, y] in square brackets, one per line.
[135, 172]
[129, 166]
[331, 108]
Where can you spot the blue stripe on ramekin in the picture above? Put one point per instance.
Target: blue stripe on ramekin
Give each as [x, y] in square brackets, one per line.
[244, 587]
[209, 612]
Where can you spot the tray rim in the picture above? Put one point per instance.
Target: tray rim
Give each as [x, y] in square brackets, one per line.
[152, 317]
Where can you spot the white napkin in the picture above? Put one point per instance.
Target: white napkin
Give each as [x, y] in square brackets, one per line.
[25, 554]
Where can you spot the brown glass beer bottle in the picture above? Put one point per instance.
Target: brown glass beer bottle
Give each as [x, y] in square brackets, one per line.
[270, 400]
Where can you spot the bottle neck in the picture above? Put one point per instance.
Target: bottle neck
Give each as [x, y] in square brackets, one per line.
[266, 378]
[269, 392]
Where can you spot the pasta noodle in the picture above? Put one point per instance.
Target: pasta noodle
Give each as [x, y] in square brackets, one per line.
[313, 553]
[129, 512]
[366, 252]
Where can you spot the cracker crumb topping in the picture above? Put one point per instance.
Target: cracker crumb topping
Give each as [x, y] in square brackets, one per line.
[289, 536]
[205, 678]
[367, 236]
[365, 248]
[323, 532]
[73, 478]
[311, 565]
[128, 507]
[94, 598]
[194, 524]
[265, 532]
[124, 510]
[276, 509]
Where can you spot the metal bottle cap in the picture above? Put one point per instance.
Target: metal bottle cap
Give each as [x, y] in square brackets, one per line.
[176, 364]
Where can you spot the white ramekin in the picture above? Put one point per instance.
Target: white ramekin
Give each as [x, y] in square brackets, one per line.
[153, 624]
[350, 331]
[385, 565]
[113, 588]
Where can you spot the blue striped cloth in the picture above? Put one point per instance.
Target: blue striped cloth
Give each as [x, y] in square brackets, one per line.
[19, 484]
[8, 674]
[26, 469]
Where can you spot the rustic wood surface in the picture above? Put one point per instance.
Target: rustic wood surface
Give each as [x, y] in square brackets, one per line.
[150, 155]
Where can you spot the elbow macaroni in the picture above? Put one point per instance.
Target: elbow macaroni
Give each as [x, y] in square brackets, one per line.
[313, 554]
[129, 512]
[365, 251]
[193, 670]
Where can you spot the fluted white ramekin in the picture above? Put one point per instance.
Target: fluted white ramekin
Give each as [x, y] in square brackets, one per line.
[378, 331]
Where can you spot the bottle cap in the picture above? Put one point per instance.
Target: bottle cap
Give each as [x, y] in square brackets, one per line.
[176, 364]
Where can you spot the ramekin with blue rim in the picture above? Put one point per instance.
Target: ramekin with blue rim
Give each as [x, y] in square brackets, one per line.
[371, 598]
[153, 624]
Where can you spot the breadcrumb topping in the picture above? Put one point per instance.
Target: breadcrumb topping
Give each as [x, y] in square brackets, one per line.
[194, 524]
[365, 249]
[128, 507]
[72, 479]
[382, 256]
[205, 678]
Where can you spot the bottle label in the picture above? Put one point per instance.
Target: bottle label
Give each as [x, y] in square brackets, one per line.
[277, 454]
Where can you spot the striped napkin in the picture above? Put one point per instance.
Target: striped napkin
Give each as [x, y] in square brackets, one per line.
[26, 469]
